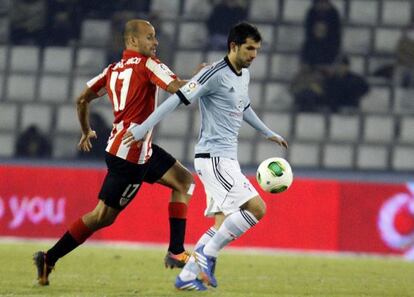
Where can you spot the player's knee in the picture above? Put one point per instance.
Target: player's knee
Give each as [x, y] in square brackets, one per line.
[186, 184]
[104, 219]
[261, 211]
[258, 209]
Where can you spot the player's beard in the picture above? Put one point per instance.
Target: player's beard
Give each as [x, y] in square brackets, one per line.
[242, 63]
[246, 64]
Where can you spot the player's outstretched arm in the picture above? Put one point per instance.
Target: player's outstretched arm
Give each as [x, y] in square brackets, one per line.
[82, 107]
[186, 94]
[253, 120]
[138, 132]
[175, 85]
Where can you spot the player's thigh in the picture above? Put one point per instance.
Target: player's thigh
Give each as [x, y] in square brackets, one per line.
[226, 186]
[178, 178]
[122, 182]
[215, 186]
[166, 170]
[159, 163]
[212, 207]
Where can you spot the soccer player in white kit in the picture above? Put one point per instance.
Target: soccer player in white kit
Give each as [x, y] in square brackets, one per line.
[224, 103]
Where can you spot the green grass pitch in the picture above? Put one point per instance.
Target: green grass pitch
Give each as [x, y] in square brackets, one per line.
[118, 271]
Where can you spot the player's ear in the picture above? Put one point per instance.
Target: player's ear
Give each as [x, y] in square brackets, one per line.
[133, 40]
[233, 46]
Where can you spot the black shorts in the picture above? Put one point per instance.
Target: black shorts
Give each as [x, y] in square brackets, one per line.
[124, 178]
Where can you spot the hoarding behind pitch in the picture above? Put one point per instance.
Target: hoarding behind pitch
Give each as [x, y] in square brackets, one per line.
[314, 214]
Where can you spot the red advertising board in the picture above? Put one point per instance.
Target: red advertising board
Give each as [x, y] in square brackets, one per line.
[326, 215]
[377, 218]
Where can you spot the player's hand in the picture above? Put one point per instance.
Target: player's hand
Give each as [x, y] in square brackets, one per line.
[134, 135]
[85, 141]
[279, 140]
[199, 67]
[129, 140]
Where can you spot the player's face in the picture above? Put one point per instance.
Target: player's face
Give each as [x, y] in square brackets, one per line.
[147, 42]
[247, 52]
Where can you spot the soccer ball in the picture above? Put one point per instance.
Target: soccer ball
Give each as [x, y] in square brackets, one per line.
[274, 175]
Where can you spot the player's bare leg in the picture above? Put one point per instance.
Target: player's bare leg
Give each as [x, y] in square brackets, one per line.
[102, 216]
[181, 181]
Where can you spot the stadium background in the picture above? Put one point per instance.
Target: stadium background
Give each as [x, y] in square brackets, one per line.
[352, 190]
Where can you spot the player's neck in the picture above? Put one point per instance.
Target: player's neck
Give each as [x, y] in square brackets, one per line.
[233, 63]
[132, 48]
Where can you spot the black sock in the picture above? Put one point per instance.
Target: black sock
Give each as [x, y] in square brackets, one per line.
[64, 245]
[177, 234]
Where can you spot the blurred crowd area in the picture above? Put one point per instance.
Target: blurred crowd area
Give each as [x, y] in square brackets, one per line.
[335, 77]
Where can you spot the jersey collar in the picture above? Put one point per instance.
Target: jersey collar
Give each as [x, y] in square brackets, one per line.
[231, 66]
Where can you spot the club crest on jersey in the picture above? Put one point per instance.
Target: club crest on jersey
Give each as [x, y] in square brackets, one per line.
[190, 87]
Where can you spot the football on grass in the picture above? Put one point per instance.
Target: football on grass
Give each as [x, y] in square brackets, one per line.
[274, 175]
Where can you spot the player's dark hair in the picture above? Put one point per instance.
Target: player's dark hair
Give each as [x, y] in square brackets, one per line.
[240, 32]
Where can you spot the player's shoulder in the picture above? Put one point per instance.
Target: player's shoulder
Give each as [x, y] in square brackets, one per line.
[107, 69]
[151, 60]
[212, 71]
[215, 66]
[153, 64]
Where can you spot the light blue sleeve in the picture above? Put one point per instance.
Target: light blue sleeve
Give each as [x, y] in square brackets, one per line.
[162, 111]
[196, 87]
[186, 94]
[253, 120]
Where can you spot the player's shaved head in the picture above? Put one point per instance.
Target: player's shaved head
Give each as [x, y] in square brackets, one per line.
[134, 28]
[139, 36]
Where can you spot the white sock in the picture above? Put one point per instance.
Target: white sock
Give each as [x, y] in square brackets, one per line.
[191, 270]
[205, 237]
[233, 227]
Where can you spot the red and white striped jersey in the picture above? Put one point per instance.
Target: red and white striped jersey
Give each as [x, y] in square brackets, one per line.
[131, 85]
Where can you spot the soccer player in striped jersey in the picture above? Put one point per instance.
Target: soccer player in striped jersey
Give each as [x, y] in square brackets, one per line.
[222, 90]
[131, 85]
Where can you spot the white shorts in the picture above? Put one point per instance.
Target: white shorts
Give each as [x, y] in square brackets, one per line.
[226, 186]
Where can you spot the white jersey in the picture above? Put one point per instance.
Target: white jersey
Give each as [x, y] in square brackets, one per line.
[224, 104]
[223, 97]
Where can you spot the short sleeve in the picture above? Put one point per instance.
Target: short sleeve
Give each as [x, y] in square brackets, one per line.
[98, 83]
[159, 73]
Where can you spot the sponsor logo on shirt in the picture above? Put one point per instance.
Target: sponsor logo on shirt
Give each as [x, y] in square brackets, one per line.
[190, 87]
